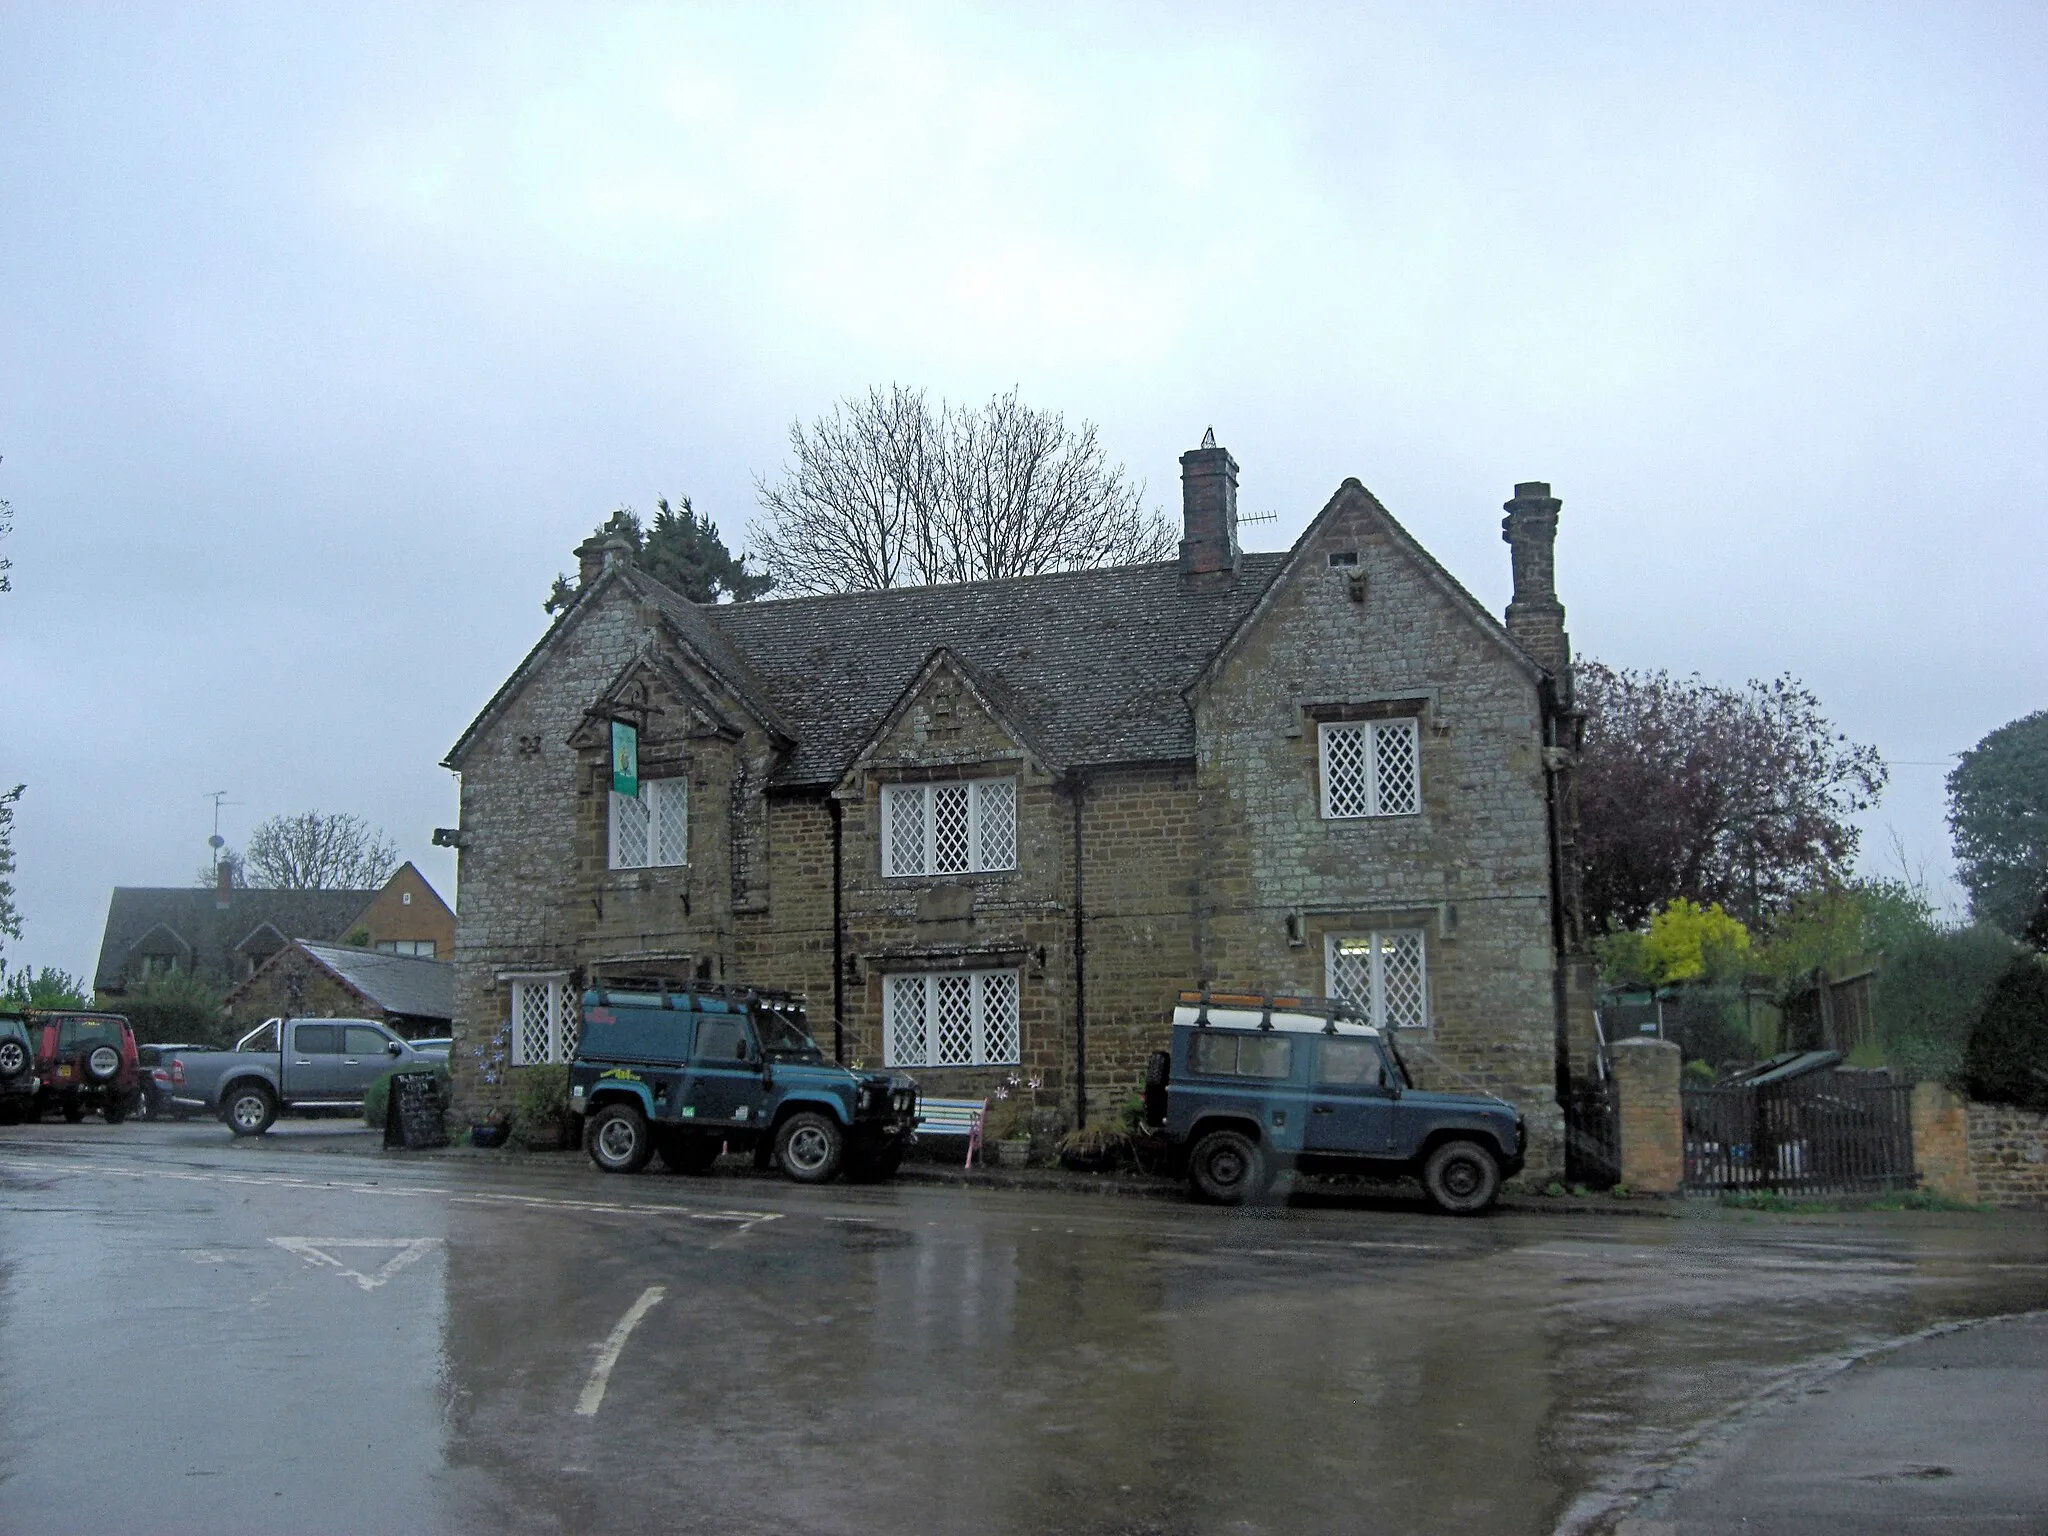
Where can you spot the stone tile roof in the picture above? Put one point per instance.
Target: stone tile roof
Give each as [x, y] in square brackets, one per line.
[1092, 663]
[407, 984]
[211, 932]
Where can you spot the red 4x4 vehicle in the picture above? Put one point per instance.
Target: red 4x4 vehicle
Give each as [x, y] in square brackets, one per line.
[86, 1061]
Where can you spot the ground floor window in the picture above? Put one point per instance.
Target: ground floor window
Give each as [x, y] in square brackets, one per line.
[1383, 973]
[545, 1020]
[950, 1019]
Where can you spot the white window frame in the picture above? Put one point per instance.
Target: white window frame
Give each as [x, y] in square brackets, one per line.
[663, 807]
[979, 794]
[1376, 796]
[1379, 943]
[557, 1019]
[898, 1031]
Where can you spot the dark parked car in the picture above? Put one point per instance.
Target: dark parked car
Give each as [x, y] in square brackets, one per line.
[154, 1101]
[1256, 1083]
[17, 1068]
[686, 1073]
[87, 1061]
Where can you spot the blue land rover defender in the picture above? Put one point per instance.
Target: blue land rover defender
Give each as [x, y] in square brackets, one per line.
[686, 1073]
[1253, 1084]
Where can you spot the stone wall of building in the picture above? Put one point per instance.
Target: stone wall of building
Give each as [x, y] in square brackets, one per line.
[1387, 637]
[408, 909]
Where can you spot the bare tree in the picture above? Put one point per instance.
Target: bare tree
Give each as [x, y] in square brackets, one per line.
[316, 852]
[886, 491]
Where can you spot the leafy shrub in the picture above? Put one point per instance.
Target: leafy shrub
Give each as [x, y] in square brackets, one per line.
[540, 1105]
[1929, 995]
[2007, 1060]
[44, 987]
[177, 1007]
[377, 1097]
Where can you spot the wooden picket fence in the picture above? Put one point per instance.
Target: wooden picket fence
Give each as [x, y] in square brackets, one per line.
[1824, 1133]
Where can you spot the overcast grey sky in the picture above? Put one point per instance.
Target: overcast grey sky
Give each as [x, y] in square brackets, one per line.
[325, 334]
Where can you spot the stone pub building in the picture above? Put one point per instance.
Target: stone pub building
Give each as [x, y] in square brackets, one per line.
[992, 828]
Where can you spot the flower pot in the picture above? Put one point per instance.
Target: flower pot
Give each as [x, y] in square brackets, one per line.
[489, 1135]
[1014, 1154]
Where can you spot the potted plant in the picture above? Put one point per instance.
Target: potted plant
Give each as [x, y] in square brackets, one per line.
[493, 1130]
[1094, 1148]
[541, 1108]
[1007, 1125]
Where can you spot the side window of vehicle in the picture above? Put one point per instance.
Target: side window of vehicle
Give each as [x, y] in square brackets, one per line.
[316, 1039]
[1224, 1055]
[721, 1040]
[361, 1040]
[1355, 1063]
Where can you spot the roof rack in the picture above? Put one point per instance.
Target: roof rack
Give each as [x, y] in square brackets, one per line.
[667, 990]
[1331, 1008]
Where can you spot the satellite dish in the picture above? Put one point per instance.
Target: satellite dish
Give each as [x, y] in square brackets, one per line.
[216, 841]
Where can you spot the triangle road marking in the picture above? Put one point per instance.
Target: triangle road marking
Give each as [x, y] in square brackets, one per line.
[318, 1251]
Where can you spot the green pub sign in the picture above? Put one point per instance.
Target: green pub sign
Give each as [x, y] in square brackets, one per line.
[625, 759]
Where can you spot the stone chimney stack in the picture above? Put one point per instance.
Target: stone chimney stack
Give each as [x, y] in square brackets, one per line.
[1535, 616]
[1208, 498]
[223, 882]
[595, 553]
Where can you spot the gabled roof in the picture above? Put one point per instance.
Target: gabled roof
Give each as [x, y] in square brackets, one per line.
[1003, 709]
[1403, 541]
[408, 984]
[191, 914]
[1090, 664]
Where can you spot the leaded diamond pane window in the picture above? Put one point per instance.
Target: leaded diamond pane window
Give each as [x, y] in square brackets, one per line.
[1371, 768]
[905, 1037]
[1384, 974]
[962, 827]
[951, 1019]
[651, 828]
[545, 1021]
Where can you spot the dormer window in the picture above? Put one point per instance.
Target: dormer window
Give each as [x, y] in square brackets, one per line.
[651, 829]
[949, 828]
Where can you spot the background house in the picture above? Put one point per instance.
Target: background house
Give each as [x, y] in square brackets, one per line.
[412, 994]
[225, 934]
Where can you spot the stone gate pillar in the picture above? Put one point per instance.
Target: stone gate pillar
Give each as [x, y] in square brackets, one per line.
[1652, 1118]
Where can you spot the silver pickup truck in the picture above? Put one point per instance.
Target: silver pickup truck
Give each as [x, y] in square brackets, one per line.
[328, 1065]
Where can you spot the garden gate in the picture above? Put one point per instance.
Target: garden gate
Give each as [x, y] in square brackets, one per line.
[1826, 1132]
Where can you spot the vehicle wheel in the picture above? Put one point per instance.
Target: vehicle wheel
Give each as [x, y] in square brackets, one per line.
[810, 1147]
[1227, 1168]
[1461, 1177]
[102, 1062]
[619, 1139]
[114, 1111]
[74, 1110]
[682, 1152]
[1158, 1066]
[250, 1110]
[13, 1060]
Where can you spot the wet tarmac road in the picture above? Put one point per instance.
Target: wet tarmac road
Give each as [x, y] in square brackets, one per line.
[304, 1334]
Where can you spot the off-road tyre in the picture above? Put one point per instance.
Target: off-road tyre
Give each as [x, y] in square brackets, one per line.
[1158, 1068]
[810, 1146]
[619, 1139]
[249, 1109]
[73, 1110]
[683, 1152]
[114, 1111]
[13, 1060]
[1461, 1178]
[1227, 1168]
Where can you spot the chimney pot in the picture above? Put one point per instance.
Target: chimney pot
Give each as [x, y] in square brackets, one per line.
[1208, 494]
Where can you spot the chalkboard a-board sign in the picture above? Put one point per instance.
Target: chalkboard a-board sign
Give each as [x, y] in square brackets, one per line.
[416, 1114]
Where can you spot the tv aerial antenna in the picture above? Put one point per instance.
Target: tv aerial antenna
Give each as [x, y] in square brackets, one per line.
[219, 797]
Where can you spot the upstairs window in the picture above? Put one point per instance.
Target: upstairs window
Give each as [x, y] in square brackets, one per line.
[1370, 768]
[950, 828]
[423, 948]
[651, 828]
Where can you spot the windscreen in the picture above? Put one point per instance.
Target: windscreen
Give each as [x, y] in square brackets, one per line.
[783, 1030]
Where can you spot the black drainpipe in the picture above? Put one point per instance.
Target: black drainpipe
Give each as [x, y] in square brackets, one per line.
[1560, 1015]
[838, 938]
[1080, 967]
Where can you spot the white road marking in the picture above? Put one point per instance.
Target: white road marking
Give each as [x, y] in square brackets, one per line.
[607, 1357]
[314, 1251]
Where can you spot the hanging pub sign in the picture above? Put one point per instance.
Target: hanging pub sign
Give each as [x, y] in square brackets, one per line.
[625, 759]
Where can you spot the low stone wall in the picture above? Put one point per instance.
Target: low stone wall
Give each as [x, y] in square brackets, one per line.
[2009, 1154]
